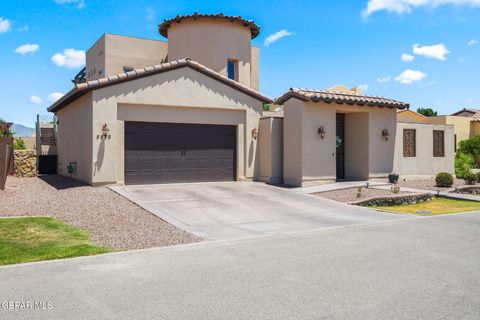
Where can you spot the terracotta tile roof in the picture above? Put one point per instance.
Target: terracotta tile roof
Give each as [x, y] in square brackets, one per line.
[272, 114]
[254, 28]
[469, 110]
[82, 88]
[476, 117]
[340, 98]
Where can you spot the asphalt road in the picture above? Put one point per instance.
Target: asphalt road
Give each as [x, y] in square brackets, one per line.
[421, 268]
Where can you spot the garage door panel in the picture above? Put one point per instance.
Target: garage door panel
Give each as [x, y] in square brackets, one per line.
[167, 153]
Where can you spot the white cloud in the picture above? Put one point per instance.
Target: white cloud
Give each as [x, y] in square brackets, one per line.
[70, 58]
[27, 48]
[25, 28]
[436, 51]
[54, 96]
[5, 25]
[363, 87]
[277, 36]
[407, 57]
[35, 100]
[406, 6]
[80, 4]
[410, 76]
[472, 42]
[384, 79]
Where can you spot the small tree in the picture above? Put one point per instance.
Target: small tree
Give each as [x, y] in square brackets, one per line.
[427, 112]
[19, 144]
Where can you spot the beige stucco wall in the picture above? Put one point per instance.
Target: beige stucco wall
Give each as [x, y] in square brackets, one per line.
[212, 43]
[112, 52]
[308, 159]
[474, 129]
[74, 138]
[183, 96]
[462, 125]
[424, 163]
[270, 149]
[255, 70]
[410, 116]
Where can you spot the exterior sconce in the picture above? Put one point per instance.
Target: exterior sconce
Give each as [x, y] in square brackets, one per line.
[321, 132]
[385, 134]
[254, 133]
[105, 133]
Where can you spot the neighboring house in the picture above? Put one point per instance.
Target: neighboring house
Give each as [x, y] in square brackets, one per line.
[407, 115]
[146, 111]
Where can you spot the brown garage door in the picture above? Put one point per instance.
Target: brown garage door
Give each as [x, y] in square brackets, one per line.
[172, 152]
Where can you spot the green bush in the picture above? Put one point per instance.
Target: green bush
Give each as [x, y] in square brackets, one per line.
[463, 164]
[469, 178]
[19, 144]
[470, 146]
[444, 180]
[393, 178]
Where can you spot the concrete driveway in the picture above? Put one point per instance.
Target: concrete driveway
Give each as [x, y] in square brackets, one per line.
[233, 210]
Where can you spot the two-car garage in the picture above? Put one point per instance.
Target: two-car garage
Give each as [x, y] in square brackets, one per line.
[173, 152]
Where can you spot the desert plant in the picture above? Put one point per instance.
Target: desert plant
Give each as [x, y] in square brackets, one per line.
[470, 178]
[359, 192]
[393, 178]
[463, 164]
[444, 180]
[19, 144]
[395, 188]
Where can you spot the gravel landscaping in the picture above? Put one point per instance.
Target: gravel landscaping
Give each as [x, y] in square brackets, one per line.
[350, 195]
[112, 220]
[429, 184]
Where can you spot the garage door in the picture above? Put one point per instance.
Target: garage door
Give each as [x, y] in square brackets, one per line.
[172, 152]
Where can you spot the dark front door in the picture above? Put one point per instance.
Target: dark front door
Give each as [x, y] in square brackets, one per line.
[340, 144]
[172, 152]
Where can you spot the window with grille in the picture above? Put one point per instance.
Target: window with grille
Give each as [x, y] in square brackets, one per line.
[438, 143]
[409, 143]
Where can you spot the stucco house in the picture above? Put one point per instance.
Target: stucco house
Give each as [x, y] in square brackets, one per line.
[146, 111]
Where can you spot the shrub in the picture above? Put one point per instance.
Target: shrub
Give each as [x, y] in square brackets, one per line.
[393, 178]
[469, 178]
[444, 180]
[463, 164]
[19, 144]
[470, 147]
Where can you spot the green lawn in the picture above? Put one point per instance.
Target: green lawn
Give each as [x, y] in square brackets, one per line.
[34, 239]
[436, 205]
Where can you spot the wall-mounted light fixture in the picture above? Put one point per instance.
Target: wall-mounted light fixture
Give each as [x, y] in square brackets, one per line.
[105, 133]
[254, 133]
[321, 132]
[385, 134]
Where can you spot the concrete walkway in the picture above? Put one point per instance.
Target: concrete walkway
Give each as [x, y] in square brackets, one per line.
[340, 185]
[233, 210]
[445, 194]
[419, 268]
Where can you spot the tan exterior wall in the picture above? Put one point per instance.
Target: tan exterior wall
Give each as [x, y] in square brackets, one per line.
[462, 125]
[424, 163]
[112, 52]
[410, 116]
[225, 41]
[30, 143]
[255, 70]
[474, 129]
[182, 95]
[308, 159]
[75, 138]
[270, 144]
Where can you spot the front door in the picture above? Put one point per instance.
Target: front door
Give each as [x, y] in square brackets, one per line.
[340, 144]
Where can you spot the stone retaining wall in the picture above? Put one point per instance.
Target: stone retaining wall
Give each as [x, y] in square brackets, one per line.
[394, 200]
[467, 189]
[25, 163]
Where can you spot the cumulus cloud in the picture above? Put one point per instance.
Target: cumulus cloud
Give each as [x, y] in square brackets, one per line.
[410, 76]
[406, 6]
[54, 96]
[5, 25]
[34, 100]
[407, 57]
[27, 48]
[80, 4]
[472, 42]
[70, 58]
[437, 51]
[384, 79]
[277, 36]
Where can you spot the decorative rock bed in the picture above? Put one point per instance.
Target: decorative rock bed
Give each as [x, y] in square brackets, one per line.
[393, 200]
[25, 163]
[474, 189]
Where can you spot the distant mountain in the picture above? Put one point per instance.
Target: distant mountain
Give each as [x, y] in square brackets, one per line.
[22, 131]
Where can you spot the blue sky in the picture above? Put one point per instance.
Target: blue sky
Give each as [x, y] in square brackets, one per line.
[324, 43]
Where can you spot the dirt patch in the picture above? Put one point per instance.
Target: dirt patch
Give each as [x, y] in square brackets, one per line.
[350, 195]
[112, 220]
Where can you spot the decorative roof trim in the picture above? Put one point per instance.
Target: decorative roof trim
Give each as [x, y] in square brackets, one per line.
[82, 88]
[254, 28]
[340, 98]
